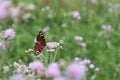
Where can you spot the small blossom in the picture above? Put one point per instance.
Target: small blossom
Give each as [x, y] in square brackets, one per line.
[83, 45]
[76, 71]
[4, 9]
[10, 33]
[53, 70]
[86, 61]
[46, 29]
[31, 6]
[17, 77]
[6, 68]
[22, 69]
[3, 13]
[36, 65]
[51, 45]
[60, 78]
[2, 45]
[94, 1]
[77, 59]
[97, 69]
[76, 15]
[15, 64]
[78, 38]
[91, 66]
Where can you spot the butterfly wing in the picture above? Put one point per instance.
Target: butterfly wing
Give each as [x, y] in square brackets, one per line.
[40, 43]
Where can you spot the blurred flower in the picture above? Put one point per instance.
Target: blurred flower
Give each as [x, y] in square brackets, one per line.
[77, 59]
[60, 78]
[36, 65]
[83, 45]
[106, 28]
[17, 77]
[3, 13]
[76, 71]
[2, 45]
[94, 1]
[17, 12]
[53, 70]
[63, 25]
[10, 33]
[46, 29]
[42, 73]
[91, 66]
[4, 9]
[31, 6]
[6, 68]
[78, 38]
[97, 69]
[76, 15]
[86, 61]
[22, 69]
[51, 45]
[15, 64]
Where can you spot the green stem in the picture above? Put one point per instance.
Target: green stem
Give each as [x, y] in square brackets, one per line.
[55, 55]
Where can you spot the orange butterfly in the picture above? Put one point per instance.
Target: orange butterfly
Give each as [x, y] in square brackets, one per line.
[40, 43]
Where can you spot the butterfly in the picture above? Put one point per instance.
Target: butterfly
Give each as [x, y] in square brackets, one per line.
[40, 43]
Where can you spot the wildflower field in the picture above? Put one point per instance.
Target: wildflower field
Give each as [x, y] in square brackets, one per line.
[59, 40]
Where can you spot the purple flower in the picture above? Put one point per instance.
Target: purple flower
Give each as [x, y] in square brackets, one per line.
[53, 70]
[3, 13]
[22, 69]
[10, 33]
[4, 9]
[94, 1]
[97, 69]
[76, 71]
[2, 45]
[60, 78]
[17, 77]
[6, 68]
[76, 15]
[51, 45]
[91, 66]
[78, 38]
[36, 65]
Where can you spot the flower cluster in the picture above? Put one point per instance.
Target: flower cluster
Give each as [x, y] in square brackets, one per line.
[7, 9]
[6, 35]
[81, 43]
[76, 15]
[76, 70]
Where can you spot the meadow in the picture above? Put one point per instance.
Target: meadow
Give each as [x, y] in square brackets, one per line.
[82, 39]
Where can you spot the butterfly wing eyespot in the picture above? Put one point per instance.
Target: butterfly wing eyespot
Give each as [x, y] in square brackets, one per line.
[40, 43]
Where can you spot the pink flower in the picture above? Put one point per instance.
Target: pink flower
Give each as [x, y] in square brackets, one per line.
[53, 70]
[60, 78]
[76, 15]
[3, 13]
[2, 45]
[91, 66]
[10, 33]
[6, 68]
[76, 71]
[97, 69]
[4, 9]
[36, 65]
[78, 38]
[17, 77]
[51, 45]
[94, 1]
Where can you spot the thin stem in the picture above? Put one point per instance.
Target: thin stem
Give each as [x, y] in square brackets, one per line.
[55, 55]
[49, 54]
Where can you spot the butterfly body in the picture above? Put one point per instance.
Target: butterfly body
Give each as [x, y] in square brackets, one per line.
[40, 43]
